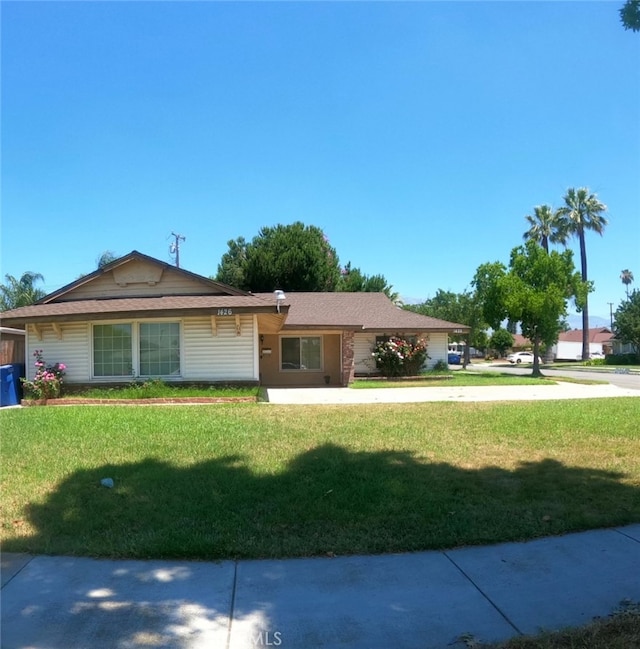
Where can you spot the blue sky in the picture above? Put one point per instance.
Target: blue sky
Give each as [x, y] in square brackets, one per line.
[417, 135]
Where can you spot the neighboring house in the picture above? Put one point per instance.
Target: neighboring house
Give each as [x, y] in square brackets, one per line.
[618, 347]
[11, 345]
[520, 343]
[139, 317]
[569, 345]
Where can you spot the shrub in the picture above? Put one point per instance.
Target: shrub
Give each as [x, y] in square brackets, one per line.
[621, 359]
[47, 383]
[595, 362]
[399, 357]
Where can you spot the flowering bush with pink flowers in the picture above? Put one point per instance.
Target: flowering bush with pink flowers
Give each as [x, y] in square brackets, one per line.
[47, 383]
[399, 357]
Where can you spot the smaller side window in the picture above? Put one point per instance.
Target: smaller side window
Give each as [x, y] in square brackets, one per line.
[301, 353]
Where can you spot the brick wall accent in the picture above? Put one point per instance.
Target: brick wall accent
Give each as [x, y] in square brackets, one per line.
[348, 364]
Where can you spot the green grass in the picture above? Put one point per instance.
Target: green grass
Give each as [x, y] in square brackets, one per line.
[457, 378]
[257, 480]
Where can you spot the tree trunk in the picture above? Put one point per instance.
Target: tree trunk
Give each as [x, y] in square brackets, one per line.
[466, 353]
[585, 310]
[536, 351]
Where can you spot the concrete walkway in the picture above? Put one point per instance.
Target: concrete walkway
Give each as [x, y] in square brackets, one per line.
[562, 390]
[426, 600]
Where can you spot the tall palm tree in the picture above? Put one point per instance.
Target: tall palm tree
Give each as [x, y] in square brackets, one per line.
[20, 292]
[544, 227]
[627, 278]
[582, 211]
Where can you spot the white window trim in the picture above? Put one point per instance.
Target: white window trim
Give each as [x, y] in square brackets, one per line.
[135, 351]
[320, 369]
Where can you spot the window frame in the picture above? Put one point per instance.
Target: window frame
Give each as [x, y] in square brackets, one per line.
[302, 369]
[135, 350]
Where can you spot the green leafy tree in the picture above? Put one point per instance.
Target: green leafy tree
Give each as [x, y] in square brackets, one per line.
[626, 325]
[543, 227]
[630, 15]
[20, 292]
[106, 258]
[534, 291]
[461, 308]
[582, 211]
[626, 276]
[486, 282]
[354, 280]
[292, 258]
[501, 340]
[232, 266]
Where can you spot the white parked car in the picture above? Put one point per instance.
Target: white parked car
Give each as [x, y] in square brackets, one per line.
[596, 355]
[522, 357]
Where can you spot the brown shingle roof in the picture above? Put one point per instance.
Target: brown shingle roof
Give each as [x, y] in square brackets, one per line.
[372, 311]
[596, 335]
[368, 311]
[126, 307]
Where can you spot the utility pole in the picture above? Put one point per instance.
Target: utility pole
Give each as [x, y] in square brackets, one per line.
[611, 314]
[174, 248]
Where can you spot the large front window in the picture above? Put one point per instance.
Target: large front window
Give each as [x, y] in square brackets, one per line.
[301, 353]
[112, 350]
[159, 349]
[136, 349]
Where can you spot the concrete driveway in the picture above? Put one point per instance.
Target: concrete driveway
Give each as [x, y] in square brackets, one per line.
[447, 393]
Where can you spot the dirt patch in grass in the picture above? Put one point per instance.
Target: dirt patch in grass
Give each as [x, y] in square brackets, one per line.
[621, 630]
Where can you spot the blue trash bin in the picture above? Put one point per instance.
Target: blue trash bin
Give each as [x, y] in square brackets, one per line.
[10, 386]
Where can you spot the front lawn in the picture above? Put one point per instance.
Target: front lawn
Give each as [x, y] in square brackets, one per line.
[258, 480]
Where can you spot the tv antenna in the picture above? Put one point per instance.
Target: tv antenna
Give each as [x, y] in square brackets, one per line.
[174, 248]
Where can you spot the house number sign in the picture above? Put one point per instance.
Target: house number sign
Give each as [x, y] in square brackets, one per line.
[225, 311]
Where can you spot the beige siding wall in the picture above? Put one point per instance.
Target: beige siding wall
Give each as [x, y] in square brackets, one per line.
[205, 357]
[363, 343]
[171, 283]
[272, 375]
[220, 357]
[438, 348]
[72, 349]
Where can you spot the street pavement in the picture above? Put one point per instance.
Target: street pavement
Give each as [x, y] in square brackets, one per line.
[424, 600]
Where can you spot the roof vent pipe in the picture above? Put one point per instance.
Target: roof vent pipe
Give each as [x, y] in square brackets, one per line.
[280, 297]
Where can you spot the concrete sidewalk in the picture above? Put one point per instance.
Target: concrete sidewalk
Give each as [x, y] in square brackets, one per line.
[426, 600]
[562, 390]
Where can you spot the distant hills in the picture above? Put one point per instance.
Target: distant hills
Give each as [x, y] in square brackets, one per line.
[575, 321]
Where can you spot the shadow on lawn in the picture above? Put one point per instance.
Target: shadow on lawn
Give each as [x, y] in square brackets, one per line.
[327, 500]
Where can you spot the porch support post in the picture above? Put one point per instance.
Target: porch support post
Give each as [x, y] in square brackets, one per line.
[348, 364]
